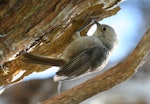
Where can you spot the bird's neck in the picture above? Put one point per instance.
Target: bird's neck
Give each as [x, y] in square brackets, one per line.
[108, 42]
[109, 45]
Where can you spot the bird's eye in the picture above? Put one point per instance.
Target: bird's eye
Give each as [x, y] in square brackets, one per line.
[104, 28]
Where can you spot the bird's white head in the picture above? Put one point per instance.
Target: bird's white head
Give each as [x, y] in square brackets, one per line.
[106, 34]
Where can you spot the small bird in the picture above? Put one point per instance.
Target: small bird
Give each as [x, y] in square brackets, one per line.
[84, 55]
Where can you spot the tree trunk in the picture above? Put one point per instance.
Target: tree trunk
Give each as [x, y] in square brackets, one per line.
[42, 27]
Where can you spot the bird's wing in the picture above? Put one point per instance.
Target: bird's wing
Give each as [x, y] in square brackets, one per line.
[83, 62]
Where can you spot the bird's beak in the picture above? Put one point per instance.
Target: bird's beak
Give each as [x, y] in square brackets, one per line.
[97, 23]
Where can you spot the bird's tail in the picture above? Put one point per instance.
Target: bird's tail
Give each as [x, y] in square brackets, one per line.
[44, 60]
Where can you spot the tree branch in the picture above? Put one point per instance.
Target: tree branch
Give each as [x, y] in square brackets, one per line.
[108, 79]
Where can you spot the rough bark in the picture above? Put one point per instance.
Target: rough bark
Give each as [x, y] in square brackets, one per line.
[108, 79]
[43, 27]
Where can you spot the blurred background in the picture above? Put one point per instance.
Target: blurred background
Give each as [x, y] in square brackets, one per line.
[130, 23]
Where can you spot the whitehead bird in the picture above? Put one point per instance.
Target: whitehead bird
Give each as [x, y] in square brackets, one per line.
[84, 55]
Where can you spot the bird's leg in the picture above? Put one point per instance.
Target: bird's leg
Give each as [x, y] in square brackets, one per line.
[59, 87]
[77, 33]
[87, 24]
